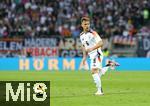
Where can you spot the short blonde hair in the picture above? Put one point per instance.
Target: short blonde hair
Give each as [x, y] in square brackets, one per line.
[85, 18]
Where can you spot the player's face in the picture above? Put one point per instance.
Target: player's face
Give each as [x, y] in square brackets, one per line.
[85, 25]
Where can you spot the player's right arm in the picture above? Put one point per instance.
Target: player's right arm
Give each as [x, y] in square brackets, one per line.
[84, 55]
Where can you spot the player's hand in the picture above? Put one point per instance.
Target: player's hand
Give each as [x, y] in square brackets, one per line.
[83, 61]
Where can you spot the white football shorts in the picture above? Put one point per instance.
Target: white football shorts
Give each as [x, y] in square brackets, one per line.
[96, 62]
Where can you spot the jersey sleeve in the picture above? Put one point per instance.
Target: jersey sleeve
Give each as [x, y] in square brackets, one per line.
[96, 36]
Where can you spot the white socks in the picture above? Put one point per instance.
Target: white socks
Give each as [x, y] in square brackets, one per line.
[103, 71]
[97, 80]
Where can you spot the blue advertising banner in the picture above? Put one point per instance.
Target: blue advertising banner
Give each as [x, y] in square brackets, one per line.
[64, 64]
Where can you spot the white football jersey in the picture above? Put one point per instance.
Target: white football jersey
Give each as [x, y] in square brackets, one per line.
[89, 40]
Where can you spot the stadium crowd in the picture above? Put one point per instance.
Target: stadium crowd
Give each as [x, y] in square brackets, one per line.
[45, 18]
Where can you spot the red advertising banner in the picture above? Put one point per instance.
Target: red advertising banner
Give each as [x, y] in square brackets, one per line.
[42, 51]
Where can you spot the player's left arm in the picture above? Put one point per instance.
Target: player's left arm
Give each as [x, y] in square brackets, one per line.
[99, 43]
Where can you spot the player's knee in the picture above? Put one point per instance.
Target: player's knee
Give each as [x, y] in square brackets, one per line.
[95, 70]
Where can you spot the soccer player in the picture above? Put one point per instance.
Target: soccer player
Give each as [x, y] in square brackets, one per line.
[91, 45]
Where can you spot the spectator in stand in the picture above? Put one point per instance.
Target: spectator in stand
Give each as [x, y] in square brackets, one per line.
[42, 18]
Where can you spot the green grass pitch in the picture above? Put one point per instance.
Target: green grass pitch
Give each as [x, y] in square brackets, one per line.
[76, 88]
